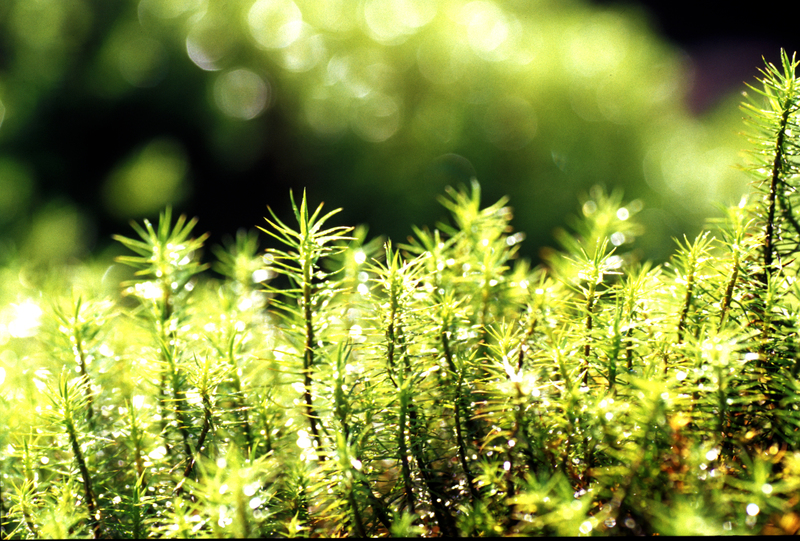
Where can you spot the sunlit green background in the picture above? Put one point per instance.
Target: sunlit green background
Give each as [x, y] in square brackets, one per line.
[110, 110]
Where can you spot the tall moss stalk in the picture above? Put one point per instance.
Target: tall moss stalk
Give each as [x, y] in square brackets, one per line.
[310, 288]
[166, 261]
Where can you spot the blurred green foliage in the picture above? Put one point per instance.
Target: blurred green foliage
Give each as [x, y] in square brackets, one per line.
[381, 104]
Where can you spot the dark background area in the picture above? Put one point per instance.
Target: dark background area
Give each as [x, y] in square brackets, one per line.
[723, 43]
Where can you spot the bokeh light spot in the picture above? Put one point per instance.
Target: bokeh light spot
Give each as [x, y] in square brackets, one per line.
[39, 23]
[168, 9]
[337, 69]
[333, 15]
[487, 26]
[305, 52]
[681, 165]
[599, 45]
[203, 57]
[241, 94]
[142, 61]
[275, 24]
[151, 178]
[377, 118]
[392, 21]
[207, 44]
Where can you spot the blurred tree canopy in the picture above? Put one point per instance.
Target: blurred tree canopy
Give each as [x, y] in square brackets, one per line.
[111, 110]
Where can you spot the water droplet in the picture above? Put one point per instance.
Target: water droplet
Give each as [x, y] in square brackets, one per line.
[303, 441]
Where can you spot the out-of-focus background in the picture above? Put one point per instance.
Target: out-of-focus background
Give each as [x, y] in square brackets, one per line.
[111, 110]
